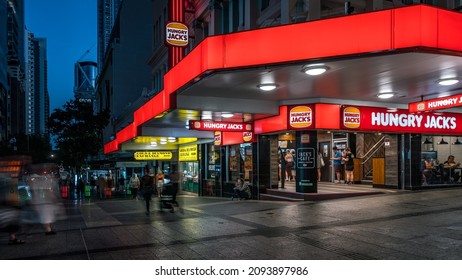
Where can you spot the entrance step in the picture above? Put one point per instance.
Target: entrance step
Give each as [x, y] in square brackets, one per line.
[286, 195]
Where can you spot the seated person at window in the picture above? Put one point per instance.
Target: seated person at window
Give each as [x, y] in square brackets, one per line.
[428, 170]
[449, 166]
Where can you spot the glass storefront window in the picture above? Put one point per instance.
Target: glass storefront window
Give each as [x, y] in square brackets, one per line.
[441, 158]
[189, 176]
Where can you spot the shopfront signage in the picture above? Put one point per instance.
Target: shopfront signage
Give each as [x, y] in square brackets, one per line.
[153, 155]
[176, 34]
[218, 138]
[187, 153]
[436, 104]
[220, 126]
[305, 158]
[247, 136]
[300, 117]
[385, 120]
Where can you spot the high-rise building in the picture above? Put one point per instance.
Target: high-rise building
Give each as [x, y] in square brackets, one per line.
[121, 83]
[15, 69]
[37, 99]
[107, 13]
[3, 71]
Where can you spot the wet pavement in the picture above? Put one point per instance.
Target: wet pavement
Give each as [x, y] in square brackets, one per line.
[416, 225]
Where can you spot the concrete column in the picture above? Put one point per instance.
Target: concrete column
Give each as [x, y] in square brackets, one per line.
[374, 5]
[305, 162]
[314, 9]
[216, 18]
[250, 14]
[285, 11]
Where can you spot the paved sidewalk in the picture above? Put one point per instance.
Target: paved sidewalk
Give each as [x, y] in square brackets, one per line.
[402, 225]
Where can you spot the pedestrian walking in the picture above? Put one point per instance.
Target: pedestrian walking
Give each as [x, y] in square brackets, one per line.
[147, 188]
[134, 185]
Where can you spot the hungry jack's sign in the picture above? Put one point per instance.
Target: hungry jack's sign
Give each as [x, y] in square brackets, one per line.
[436, 104]
[385, 120]
[220, 126]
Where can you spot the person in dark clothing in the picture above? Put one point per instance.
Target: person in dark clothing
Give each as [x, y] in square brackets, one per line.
[147, 188]
[80, 188]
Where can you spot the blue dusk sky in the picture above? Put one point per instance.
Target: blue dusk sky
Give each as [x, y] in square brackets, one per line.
[70, 29]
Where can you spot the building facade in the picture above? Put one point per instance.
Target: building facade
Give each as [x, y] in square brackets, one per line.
[124, 76]
[239, 48]
[106, 15]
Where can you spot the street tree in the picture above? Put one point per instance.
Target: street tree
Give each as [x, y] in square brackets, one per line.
[77, 132]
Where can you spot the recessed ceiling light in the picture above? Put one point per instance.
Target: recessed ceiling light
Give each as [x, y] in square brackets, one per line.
[171, 139]
[386, 95]
[315, 70]
[448, 82]
[267, 86]
[227, 115]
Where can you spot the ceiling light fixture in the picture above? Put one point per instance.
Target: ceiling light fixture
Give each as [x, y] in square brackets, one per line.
[457, 142]
[171, 139]
[427, 141]
[448, 81]
[442, 142]
[314, 70]
[267, 86]
[385, 95]
[227, 115]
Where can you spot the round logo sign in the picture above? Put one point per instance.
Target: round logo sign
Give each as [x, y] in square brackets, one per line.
[421, 106]
[300, 117]
[247, 136]
[351, 117]
[176, 34]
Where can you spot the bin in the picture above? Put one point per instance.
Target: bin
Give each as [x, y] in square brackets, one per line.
[108, 192]
[87, 191]
[65, 191]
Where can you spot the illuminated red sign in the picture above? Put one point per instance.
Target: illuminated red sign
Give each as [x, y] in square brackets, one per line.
[436, 104]
[386, 120]
[176, 34]
[300, 117]
[220, 126]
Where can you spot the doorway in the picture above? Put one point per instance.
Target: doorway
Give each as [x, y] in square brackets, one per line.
[325, 150]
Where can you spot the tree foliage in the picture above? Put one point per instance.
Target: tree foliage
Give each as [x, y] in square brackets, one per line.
[77, 131]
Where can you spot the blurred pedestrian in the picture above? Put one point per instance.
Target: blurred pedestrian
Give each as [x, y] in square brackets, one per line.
[101, 186]
[9, 213]
[160, 181]
[175, 182]
[134, 185]
[43, 201]
[147, 188]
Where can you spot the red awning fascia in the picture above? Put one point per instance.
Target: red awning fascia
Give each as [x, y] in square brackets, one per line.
[375, 32]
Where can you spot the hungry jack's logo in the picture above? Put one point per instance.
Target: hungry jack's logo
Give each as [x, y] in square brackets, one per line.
[300, 117]
[351, 117]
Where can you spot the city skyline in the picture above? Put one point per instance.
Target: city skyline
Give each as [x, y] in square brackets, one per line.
[70, 31]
